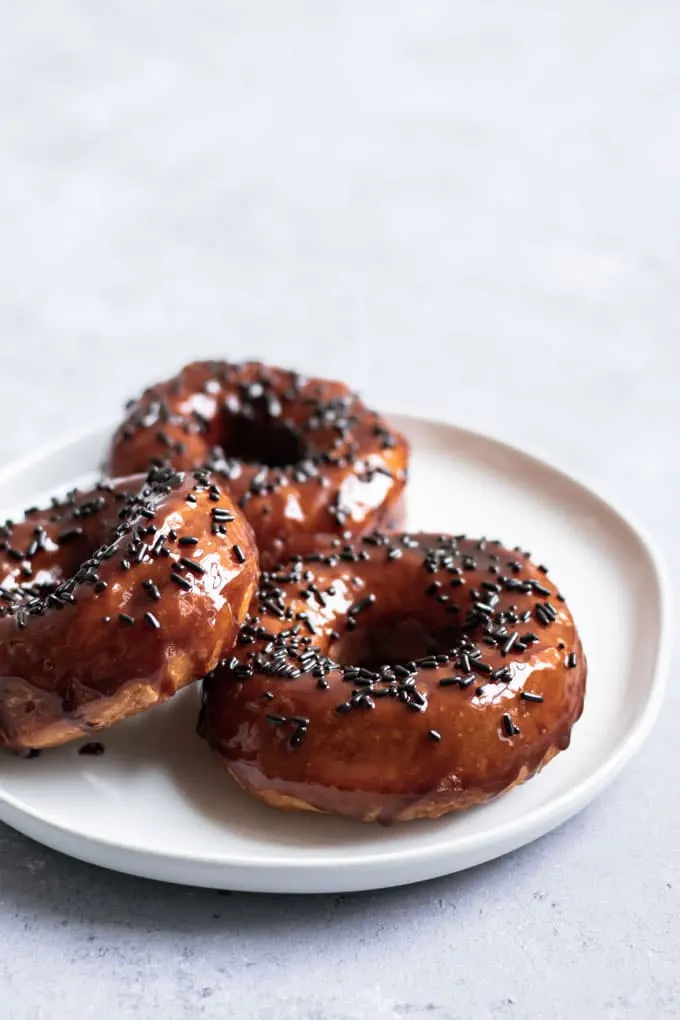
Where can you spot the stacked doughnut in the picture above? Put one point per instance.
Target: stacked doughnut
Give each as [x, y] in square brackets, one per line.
[114, 599]
[253, 536]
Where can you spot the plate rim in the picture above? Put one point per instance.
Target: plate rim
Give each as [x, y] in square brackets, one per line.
[511, 833]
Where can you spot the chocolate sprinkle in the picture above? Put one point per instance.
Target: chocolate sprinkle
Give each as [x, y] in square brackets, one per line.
[94, 748]
[181, 581]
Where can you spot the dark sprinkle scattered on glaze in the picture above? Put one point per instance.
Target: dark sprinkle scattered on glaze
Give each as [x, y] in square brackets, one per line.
[28, 600]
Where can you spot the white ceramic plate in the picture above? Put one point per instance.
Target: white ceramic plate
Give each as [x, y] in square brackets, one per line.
[157, 803]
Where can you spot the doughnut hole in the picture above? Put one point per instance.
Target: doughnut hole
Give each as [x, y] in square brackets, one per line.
[253, 435]
[393, 639]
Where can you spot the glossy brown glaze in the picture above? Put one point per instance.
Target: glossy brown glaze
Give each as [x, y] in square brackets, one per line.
[411, 735]
[304, 458]
[94, 627]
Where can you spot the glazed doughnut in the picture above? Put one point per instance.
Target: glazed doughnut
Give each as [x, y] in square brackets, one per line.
[302, 457]
[112, 600]
[397, 677]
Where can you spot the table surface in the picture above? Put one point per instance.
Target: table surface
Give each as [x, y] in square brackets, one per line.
[468, 209]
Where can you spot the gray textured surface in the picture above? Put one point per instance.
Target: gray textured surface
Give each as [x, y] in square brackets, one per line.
[471, 209]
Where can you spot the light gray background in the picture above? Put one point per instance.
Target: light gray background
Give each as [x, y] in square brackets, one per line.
[466, 208]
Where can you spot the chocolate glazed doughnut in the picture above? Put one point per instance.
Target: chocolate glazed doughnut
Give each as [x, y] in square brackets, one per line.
[397, 677]
[114, 599]
[302, 457]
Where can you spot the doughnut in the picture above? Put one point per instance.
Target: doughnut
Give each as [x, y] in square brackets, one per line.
[111, 600]
[397, 677]
[303, 458]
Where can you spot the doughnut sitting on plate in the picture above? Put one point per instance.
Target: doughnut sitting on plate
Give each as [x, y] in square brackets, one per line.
[397, 677]
[303, 458]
